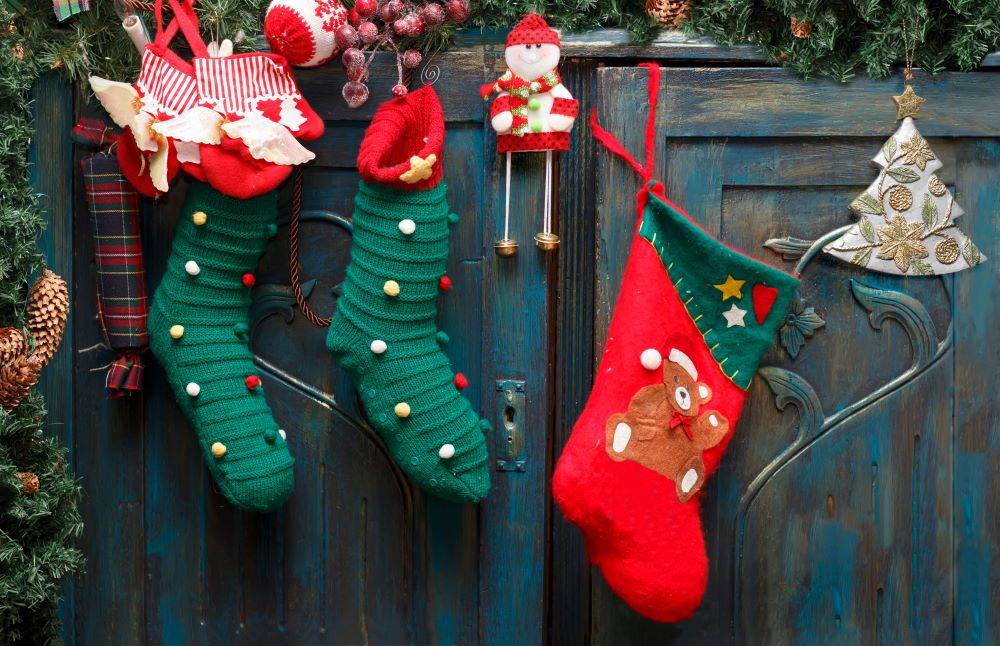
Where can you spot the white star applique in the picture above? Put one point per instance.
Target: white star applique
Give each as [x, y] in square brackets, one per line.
[734, 317]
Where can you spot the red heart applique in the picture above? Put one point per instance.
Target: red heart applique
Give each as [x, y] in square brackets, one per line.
[763, 299]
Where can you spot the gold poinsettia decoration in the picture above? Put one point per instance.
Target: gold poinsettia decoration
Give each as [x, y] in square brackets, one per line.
[901, 242]
[916, 151]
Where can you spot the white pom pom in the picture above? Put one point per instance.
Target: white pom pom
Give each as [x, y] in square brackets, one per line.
[378, 346]
[303, 30]
[447, 451]
[192, 268]
[651, 359]
[192, 389]
[282, 433]
[407, 227]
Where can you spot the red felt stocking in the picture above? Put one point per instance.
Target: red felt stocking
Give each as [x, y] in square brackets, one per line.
[693, 320]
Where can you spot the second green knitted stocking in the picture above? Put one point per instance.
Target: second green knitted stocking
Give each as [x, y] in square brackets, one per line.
[384, 334]
[198, 332]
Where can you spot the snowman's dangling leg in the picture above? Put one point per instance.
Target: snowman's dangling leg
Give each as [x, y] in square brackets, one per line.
[505, 246]
[546, 240]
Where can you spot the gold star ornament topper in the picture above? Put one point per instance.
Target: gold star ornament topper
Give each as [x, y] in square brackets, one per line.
[907, 104]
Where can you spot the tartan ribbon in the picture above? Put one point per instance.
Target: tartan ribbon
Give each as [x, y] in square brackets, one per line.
[94, 133]
[122, 298]
[68, 8]
[520, 90]
[125, 375]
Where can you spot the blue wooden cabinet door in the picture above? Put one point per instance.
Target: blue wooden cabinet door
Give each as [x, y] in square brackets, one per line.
[857, 502]
[358, 554]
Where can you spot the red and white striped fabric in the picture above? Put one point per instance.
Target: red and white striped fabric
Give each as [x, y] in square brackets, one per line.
[173, 91]
[248, 83]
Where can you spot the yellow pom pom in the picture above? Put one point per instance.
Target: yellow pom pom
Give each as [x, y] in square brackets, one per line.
[199, 218]
[176, 331]
[391, 288]
[218, 450]
[402, 410]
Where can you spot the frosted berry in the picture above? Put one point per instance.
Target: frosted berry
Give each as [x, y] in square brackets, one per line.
[368, 31]
[414, 25]
[411, 58]
[392, 10]
[355, 94]
[399, 89]
[347, 37]
[353, 17]
[366, 8]
[352, 57]
[432, 13]
[401, 27]
[359, 74]
[457, 10]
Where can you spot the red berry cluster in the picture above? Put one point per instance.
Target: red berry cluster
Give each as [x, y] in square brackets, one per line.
[373, 24]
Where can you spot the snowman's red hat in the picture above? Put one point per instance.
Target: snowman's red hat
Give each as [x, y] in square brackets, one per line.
[532, 30]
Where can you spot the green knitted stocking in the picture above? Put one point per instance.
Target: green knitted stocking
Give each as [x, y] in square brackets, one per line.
[384, 334]
[197, 330]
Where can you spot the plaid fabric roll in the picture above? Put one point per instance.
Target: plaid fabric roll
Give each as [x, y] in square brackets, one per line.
[68, 8]
[122, 299]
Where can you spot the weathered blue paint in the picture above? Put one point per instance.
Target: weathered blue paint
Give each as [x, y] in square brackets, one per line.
[840, 521]
[850, 519]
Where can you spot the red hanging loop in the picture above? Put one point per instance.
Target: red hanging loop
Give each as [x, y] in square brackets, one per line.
[611, 142]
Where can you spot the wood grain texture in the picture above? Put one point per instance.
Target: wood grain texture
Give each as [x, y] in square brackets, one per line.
[517, 324]
[976, 420]
[756, 102]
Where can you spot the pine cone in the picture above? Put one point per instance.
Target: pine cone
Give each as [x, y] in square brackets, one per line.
[801, 28]
[669, 13]
[16, 379]
[29, 482]
[48, 307]
[13, 344]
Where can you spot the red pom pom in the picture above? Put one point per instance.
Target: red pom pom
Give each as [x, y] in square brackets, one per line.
[252, 382]
[444, 284]
[248, 280]
[460, 381]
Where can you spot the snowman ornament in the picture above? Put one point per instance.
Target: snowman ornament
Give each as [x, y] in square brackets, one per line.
[532, 112]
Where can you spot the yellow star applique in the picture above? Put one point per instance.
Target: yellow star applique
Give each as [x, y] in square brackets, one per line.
[731, 288]
[907, 104]
[420, 169]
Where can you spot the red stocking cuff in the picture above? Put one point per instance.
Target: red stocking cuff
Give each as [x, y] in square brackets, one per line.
[402, 147]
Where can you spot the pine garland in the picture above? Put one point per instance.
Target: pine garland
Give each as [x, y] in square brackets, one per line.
[850, 37]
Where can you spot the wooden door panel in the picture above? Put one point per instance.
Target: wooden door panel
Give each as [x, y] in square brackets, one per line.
[831, 514]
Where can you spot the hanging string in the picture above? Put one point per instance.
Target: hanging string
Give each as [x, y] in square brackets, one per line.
[506, 203]
[547, 212]
[293, 254]
[910, 47]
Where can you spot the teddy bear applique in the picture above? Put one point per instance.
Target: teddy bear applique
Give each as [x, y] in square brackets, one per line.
[665, 428]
